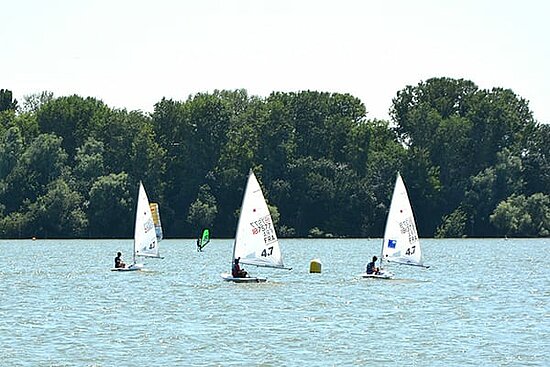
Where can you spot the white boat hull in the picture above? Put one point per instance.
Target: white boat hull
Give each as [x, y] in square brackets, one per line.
[383, 275]
[228, 277]
[133, 267]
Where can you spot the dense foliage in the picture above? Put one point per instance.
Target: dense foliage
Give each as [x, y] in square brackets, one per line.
[475, 162]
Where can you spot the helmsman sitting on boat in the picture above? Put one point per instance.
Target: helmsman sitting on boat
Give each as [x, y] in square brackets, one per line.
[371, 267]
[118, 261]
[237, 272]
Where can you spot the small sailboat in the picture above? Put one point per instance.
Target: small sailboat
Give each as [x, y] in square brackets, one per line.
[203, 240]
[256, 242]
[145, 237]
[401, 244]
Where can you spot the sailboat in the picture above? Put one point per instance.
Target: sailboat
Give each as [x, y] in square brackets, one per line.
[401, 244]
[145, 237]
[256, 242]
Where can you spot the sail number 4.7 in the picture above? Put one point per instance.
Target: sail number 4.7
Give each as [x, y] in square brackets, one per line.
[267, 251]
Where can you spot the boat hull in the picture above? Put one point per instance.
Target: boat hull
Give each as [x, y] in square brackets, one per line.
[229, 278]
[377, 276]
[133, 267]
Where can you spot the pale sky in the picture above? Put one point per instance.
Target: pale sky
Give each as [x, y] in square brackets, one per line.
[131, 53]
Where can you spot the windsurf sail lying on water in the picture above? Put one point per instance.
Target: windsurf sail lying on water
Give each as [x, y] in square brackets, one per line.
[401, 243]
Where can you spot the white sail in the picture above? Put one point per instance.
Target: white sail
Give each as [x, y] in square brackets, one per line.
[256, 242]
[401, 243]
[145, 238]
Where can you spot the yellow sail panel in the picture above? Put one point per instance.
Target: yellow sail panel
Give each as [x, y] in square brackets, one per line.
[155, 211]
[156, 219]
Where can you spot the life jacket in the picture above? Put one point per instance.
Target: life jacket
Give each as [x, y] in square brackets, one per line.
[236, 272]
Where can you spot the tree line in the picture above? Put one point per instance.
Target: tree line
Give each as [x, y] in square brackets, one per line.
[475, 162]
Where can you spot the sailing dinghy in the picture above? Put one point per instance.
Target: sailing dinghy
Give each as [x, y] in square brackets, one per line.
[401, 244]
[256, 242]
[145, 236]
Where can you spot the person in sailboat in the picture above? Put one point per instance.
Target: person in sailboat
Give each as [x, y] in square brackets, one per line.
[237, 272]
[371, 267]
[199, 248]
[118, 261]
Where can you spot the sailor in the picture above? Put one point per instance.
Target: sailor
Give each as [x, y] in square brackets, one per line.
[237, 272]
[118, 261]
[371, 267]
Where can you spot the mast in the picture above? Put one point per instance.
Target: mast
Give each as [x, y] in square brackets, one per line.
[136, 222]
[382, 254]
[240, 216]
[388, 217]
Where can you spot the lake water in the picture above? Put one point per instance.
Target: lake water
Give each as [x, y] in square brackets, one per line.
[482, 303]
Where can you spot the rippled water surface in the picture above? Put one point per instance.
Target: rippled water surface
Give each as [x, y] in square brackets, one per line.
[482, 303]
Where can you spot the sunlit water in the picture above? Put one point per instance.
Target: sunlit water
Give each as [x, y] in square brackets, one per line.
[482, 303]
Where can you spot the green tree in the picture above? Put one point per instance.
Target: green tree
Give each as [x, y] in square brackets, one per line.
[376, 155]
[6, 100]
[58, 213]
[501, 120]
[196, 131]
[461, 131]
[11, 148]
[490, 187]
[89, 164]
[521, 216]
[33, 102]
[203, 210]
[275, 136]
[453, 225]
[418, 111]
[423, 183]
[321, 122]
[324, 189]
[26, 123]
[326, 169]
[173, 133]
[536, 161]
[111, 209]
[41, 163]
[72, 118]
[7, 119]
[452, 157]
[148, 159]
[16, 225]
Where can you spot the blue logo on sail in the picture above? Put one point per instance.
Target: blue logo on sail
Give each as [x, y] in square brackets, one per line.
[391, 243]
